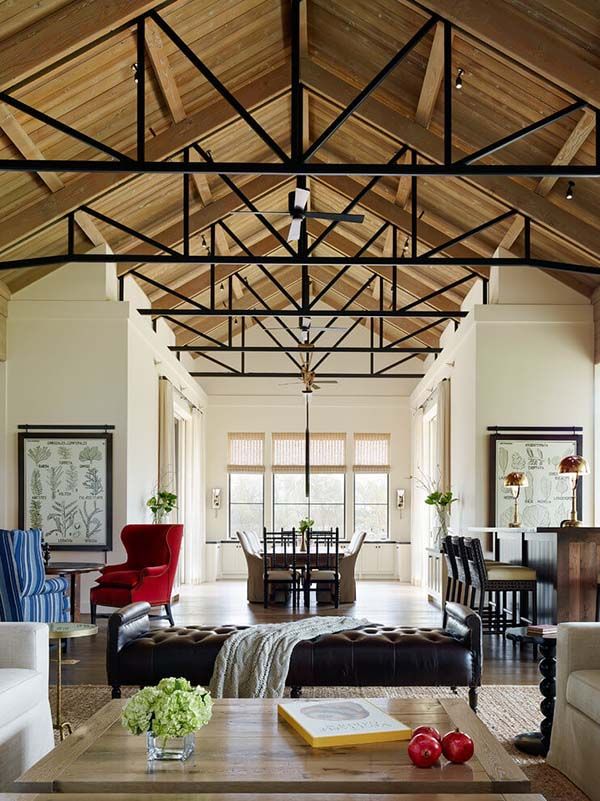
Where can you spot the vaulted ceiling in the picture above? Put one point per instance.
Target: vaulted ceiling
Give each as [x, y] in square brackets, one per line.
[76, 64]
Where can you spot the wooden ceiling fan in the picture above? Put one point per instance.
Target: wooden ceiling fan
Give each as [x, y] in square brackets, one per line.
[297, 203]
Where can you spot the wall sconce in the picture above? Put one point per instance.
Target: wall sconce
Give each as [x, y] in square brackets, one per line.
[515, 481]
[400, 498]
[216, 498]
[574, 467]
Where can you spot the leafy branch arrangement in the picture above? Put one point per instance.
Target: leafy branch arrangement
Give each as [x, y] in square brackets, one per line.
[305, 524]
[441, 500]
[161, 504]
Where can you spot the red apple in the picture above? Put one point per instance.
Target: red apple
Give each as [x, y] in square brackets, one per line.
[457, 747]
[424, 751]
[429, 730]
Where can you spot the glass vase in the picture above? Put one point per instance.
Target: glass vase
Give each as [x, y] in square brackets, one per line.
[169, 748]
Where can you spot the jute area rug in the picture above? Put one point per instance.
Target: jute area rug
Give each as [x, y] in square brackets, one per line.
[505, 709]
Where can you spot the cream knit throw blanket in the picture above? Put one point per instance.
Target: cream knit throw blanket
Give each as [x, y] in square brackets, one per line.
[254, 663]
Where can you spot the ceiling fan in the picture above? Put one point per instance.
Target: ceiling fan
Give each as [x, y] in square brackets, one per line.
[297, 202]
[305, 327]
[308, 379]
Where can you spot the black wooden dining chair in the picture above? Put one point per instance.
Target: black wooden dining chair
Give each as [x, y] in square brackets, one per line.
[322, 564]
[279, 564]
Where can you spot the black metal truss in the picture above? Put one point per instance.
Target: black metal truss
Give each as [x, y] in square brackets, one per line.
[302, 349]
[297, 163]
[229, 311]
[246, 374]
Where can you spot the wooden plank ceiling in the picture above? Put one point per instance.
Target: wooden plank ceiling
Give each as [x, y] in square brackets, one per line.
[506, 85]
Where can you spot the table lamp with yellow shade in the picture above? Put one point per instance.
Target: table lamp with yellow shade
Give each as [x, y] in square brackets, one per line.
[515, 481]
[573, 467]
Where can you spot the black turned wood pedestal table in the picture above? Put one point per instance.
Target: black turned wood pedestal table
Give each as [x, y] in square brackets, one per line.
[537, 743]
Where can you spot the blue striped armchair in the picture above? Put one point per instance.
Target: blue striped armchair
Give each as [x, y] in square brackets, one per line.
[26, 595]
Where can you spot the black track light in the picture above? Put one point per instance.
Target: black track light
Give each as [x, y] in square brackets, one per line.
[204, 245]
[222, 288]
[458, 83]
[134, 67]
[570, 188]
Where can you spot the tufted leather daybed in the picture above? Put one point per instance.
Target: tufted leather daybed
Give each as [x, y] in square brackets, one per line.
[373, 656]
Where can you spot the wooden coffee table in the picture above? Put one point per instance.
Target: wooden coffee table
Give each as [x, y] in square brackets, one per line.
[270, 797]
[247, 749]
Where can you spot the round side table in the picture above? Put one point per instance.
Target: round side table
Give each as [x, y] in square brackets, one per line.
[537, 743]
[60, 632]
[73, 571]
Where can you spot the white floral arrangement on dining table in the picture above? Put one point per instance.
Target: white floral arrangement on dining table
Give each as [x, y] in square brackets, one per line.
[174, 708]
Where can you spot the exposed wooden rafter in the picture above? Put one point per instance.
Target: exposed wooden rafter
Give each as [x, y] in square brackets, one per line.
[26, 146]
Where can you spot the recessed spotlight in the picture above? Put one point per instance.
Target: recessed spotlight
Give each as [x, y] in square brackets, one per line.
[458, 83]
[570, 188]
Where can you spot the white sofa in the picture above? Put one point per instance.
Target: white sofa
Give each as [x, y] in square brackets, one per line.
[575, 743]
[25, 718]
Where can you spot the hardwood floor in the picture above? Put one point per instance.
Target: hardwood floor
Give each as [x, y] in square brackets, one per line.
[386, 602]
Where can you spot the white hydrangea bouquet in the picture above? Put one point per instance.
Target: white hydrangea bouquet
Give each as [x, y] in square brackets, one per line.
[168, 714]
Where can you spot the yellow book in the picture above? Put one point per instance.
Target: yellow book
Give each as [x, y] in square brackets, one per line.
[326, 722]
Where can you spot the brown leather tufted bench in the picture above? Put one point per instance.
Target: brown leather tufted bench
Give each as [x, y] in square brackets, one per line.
[378, 656]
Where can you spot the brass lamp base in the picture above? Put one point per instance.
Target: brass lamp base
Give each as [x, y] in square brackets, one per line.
[571, 523]
[515, 524]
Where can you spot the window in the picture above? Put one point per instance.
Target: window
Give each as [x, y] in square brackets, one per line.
[246, 503]
[371, 484]
[326, 502]
[246, 483]
[327, 491]
[371, 504]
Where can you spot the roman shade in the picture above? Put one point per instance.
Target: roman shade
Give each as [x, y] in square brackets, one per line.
[327, 452]
[246, 453]
[371, 453]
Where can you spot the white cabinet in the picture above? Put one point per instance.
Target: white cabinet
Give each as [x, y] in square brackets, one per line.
[212, 551]
[233, 561]
[403, 566]
[377, 561]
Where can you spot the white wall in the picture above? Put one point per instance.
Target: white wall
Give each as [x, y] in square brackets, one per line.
[515, 364]
[78, 356]
[269, 414]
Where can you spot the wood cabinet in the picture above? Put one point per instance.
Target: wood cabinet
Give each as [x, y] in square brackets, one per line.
[233, 562]
[377, 561]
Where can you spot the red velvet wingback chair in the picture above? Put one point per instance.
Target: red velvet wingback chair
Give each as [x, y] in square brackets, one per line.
[147, 575]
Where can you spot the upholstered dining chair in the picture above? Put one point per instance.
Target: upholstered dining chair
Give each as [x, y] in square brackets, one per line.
[147, 574]
[347, 568]
[26, 595]
[254, 562]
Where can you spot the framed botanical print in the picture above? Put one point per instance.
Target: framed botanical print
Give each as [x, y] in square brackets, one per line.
[65, 488]
[546, 501]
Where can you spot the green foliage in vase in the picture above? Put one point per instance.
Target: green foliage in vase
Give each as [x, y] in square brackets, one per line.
[161, 504]
[305, 524]
[36, 483]
[93, 482]
[35, 513]
[171, 709]
[440, 499]
[63, 516]
[54, 479]
[39, 454]
[72, 478]
[90, 454]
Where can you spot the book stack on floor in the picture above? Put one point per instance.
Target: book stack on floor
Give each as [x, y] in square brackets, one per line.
[543, 630]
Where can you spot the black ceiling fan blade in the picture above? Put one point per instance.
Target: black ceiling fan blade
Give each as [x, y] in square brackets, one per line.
[328, 215]
[260, 213]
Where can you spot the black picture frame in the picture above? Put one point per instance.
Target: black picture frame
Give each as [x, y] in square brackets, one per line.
[533, 436]
[107, 437]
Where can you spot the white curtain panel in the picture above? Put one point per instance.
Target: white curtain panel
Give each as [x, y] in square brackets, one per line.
[419, 531]
[193, 512]
[166, 437]
[443, 433]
